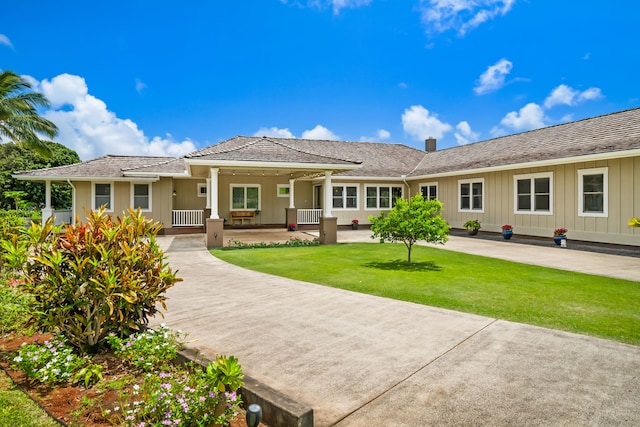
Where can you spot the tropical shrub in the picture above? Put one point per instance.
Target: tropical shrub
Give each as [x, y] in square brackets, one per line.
[411, 221]
[95, 278]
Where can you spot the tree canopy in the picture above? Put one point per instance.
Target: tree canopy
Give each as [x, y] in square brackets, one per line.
[411, 221]
[15, 158]
[20, 122]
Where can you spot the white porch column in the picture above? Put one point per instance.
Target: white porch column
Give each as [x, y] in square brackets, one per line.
[213, 191]
[47, 212]
[292, 203]
[328, 195]
[208, 205]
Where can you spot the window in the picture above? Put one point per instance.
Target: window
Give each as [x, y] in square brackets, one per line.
[471, 195]
[593, 192]
[103, 196]
[345, 197]
[141, 196]
[382, 197]
[202, 189]
[245, 197]
[533, 193]
[283, 190]
[429, 190]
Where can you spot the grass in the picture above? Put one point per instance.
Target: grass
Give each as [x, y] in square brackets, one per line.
[575, 302]
[16, 409]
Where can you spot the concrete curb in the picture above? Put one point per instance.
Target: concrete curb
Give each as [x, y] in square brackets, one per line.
[278, 409]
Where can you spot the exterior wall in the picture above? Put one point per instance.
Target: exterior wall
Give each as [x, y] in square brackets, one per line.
[499, 208]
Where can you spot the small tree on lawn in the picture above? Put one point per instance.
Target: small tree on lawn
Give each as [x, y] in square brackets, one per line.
[411, 221]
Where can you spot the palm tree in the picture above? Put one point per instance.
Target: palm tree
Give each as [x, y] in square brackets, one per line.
[19, 120]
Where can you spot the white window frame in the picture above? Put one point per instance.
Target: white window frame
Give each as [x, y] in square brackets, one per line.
[149, 186]
[532, 177]
[471, 182]
[378, 187]
[605, 191]
[93, 195]
[344, 197]
[429, 185]
[281, 187]
[245, 186]
[202, 189]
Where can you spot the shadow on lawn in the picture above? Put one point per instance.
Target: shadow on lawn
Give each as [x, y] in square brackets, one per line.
[402, 265]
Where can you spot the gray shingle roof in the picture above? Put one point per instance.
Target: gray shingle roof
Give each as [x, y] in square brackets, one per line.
[108, 166]
[603, 134]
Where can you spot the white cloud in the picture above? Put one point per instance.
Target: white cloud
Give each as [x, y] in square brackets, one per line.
[5, 41]
[381, 135]
[417, 122]
[566, 95]
[140, 85]
[460, 15]
[319, 132]
[464, 134]
[493, 78]
[336, 5]
[88, 127]
[403, 85]
[531, 116]
[274, 132]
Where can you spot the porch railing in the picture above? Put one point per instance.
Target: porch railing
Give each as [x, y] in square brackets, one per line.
[187, 218]
[309, 216]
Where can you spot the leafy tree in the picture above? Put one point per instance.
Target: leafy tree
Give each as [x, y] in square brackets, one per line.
[14, 158]
[20, 122]
[411, 221]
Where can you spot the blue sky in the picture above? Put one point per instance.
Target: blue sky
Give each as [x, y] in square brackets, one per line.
[165, 78]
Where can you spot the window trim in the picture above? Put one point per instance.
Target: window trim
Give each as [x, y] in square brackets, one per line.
[377, 187]
[283, 186]
[93, 195]
[245, 186]
[532, 177]
[201, 186]
[471, 181]
[605, 192]
[149, 186]
[429, 184]
[344, 196]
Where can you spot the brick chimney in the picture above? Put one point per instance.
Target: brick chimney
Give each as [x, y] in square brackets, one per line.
[430, 145]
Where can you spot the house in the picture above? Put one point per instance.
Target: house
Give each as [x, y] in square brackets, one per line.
[583, 175]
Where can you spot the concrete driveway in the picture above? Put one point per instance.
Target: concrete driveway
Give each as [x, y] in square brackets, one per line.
[360, 360]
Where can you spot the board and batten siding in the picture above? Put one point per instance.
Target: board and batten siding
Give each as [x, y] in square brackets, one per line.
[499, 208]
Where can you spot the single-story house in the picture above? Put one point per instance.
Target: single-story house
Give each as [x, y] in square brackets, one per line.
[583, 175]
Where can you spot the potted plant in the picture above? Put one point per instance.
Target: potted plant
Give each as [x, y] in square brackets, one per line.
[292, 227]
[560, 234]
[507, 231]
[472, 226]
[354, 224]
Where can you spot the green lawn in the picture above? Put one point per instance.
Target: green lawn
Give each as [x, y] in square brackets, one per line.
[16, 409]
[575, 302]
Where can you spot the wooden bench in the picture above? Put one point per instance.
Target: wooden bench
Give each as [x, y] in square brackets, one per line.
[243, 216]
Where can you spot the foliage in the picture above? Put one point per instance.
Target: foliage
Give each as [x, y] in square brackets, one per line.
[149, 349]
[19, 119]
[560, 231]
[16, 308]
[559, 299]
[411, 221]
[51, 362]
[225, 374]
[293, 242]
[14, 158]
[97, 277]
[472, 224]
[13, 243]
[634, 222]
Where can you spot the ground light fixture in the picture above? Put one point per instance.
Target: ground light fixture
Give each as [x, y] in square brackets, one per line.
[254, 415]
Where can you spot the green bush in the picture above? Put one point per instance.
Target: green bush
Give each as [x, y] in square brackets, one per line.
[16, 309]
[95, 278]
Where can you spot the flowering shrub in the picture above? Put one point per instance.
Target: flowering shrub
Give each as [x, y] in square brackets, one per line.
[355, 221]
[50, 362]
[507, 227]
[147, 350]
[560, 231]
[292, 227]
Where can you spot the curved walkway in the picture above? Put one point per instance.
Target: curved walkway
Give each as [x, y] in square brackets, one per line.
[360, 360]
